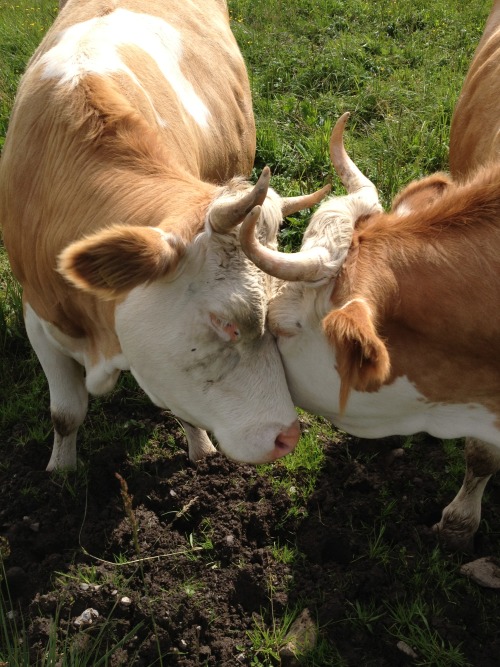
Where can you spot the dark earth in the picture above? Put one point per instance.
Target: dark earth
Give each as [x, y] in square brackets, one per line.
[199, 568]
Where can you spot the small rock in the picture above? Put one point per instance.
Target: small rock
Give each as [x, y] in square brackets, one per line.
[84, 587]
[483, 571]
[125, 601]
[241, 657]
[183, 645]
[230, 540]
[299, 640]
[407, 650]
[86, 617]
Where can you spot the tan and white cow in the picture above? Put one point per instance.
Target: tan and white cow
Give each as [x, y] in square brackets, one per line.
[120, 222]
[398, 330]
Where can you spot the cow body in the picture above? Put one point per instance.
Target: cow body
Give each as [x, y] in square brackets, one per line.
[405, 337]
[120, 223]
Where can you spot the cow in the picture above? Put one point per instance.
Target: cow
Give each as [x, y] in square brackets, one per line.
[388, 322]
[122, 186]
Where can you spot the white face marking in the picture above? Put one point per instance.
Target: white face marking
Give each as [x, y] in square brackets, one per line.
[395, 409]
[186, 360]
[91, 47]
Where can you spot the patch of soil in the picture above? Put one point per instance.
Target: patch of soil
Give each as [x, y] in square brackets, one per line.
[198, 562]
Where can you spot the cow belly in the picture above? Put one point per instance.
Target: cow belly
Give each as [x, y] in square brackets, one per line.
[395, 409]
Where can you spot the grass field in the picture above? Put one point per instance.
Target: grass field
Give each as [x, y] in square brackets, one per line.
[397, 66]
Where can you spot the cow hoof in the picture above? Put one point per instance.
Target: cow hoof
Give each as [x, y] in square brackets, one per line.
[454, 537]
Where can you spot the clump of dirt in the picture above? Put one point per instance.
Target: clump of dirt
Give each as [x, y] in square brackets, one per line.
[190, 569]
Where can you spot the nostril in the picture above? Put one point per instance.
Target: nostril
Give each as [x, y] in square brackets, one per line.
[287, 439]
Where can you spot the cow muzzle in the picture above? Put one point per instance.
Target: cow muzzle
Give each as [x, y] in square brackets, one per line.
[286, 441]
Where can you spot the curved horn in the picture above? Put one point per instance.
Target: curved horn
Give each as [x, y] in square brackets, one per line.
[225, 215]
[352, 178]
[307, 265]
[291, 205]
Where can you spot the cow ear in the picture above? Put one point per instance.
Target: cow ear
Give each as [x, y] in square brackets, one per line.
[362, 358]
[421, 194]
[120, 258]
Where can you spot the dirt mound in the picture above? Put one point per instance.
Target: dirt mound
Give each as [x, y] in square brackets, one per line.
[199, 559]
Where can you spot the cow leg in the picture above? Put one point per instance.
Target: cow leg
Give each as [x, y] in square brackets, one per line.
[199, 444]
[68, 395]
[460, 519]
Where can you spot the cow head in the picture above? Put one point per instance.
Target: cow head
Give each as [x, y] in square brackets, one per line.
[190, 317]
[301, 314]
[327, 311]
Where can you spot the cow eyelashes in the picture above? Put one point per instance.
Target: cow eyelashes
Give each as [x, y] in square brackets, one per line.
[227, 330]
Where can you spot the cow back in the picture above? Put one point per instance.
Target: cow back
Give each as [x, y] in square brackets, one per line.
[475, 127]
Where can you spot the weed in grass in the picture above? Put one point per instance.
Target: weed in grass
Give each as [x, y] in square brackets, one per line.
[74, 482]
[85, 574]
[410, 623]
[284, 553]
[127, 504]
[378, 549]
[364, 615]
[267, 638]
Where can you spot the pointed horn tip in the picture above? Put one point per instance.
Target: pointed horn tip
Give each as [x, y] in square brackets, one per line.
[254, 213]
[339, 126]
[251, 218]
[264, 177]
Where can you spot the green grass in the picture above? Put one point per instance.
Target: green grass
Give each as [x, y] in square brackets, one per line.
[398, 68]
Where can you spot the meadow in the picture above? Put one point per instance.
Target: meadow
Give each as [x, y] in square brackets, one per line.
[211, 565]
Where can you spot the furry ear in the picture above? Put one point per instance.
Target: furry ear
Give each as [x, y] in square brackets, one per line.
[120, 258]
[362, 358]
[420, 194]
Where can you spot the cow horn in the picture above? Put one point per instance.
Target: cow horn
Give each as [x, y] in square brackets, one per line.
[225, 215]
[291, 205]
[352, 178]
[307, 265]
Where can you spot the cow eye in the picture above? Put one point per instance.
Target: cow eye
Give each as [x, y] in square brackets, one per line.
[227, 329]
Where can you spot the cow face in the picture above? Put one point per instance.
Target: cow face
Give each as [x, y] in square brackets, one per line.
[198, 345]
[190, 318]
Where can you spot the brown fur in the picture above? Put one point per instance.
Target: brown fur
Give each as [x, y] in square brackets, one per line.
[475, 127]
[116, 260]
[79, 161]
[423, 193]
[428, 278]
[362, 359]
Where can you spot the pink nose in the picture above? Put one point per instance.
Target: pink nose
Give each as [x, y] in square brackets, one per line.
[286, 441]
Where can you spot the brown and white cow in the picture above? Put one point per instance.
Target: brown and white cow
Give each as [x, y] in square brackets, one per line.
[398, 330]
[121, 224]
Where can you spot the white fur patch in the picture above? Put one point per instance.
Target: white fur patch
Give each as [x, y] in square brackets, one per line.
[100, 377]
[91, 47]
[395, 409]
